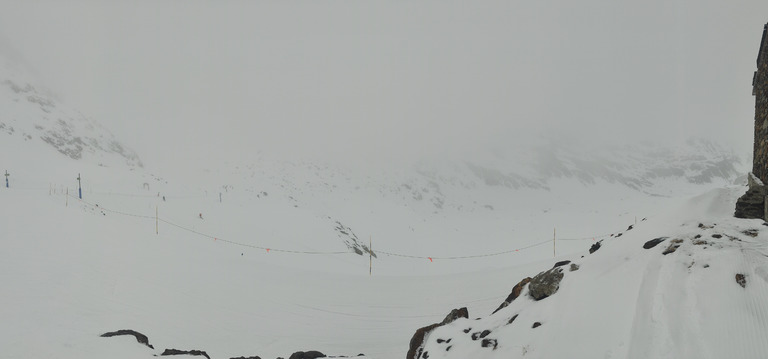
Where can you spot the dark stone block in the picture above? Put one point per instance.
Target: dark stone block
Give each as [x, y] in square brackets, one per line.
[312, 354]
[489, 343]
[594, 247]
[185, 352]
[141, 338]
[742, 280]
[480, 335]
[653, 242]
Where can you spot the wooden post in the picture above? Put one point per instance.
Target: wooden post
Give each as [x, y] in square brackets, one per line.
[554, 237]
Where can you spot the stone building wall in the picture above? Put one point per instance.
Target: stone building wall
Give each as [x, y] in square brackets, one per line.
[760, 90]
[754, 203]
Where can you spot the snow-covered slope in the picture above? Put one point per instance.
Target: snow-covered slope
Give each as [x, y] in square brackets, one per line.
[625, 301]
[72, 271]
[277, 262]
[32, 114]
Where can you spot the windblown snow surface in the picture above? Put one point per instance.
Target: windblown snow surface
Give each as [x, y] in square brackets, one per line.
[260, 274]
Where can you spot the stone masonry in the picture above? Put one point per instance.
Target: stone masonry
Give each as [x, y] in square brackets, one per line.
[753, 203]
[760, 91]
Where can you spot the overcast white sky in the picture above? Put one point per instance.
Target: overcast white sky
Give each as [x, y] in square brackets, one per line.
[385, 80]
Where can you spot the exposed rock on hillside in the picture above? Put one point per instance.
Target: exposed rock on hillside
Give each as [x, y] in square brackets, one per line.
[546, 283]
[417, 341]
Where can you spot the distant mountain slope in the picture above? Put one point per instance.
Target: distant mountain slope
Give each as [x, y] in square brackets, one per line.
[32, 115]
[637, 166]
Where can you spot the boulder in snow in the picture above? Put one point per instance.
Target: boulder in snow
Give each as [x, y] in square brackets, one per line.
[141, 338]
[185, 352]
[653, 242]
[312, 354]
[594, 247]
[417, 341]
[545, 284]
[742, 280]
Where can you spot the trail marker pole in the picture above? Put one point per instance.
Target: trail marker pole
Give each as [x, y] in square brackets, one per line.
[554, 239]
[6, 178]
[79, 187]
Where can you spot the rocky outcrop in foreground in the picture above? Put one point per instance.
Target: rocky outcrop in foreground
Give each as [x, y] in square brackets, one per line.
[417, 341]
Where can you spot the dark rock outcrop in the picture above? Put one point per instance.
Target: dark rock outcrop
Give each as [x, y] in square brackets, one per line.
[742, 280]
[141, 338]
[594, 247]
[536, 325]
[312, 354]
[185, 352]
[574, 267]
[256, 357]
[654, 242]
[750, 232]
[673, 246]
[545, 284]
[489, 343]
[480, 335]
[417, 340]
[514, 294]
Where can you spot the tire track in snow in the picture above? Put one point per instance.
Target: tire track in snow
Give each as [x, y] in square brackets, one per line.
[646, 329]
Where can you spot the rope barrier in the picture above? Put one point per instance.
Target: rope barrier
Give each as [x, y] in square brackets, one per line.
[290, 251]
[208, 235]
